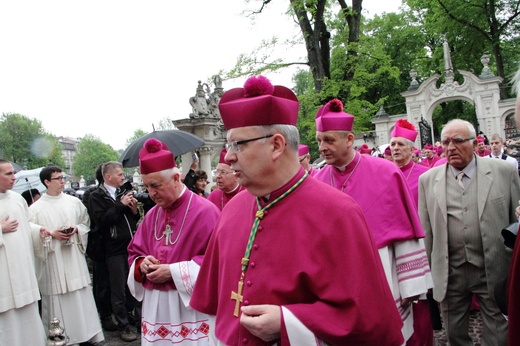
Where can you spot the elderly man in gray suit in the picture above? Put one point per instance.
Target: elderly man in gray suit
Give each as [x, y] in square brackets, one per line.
[463, 206]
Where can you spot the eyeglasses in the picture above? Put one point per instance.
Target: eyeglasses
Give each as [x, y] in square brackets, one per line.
[455, 141]
[235, 144]
[221, 172]
[303, 158]
[58, 178]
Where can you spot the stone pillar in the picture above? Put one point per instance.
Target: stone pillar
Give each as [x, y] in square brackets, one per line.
[206, 153]
[136, 178]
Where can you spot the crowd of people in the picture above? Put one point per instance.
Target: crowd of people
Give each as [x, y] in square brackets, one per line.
[367, 250]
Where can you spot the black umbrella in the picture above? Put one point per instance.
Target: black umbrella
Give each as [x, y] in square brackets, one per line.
[178, 142]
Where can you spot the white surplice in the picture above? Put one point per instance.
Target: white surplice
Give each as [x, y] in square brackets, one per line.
[62, 269]
[20, 323]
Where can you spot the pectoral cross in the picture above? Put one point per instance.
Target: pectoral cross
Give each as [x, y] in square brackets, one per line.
[237, 297]
[167, 235]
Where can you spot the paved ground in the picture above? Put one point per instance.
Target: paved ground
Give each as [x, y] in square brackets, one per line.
[112, 338]
[475, 327]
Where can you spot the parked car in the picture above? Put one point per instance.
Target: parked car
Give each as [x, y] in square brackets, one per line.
[81, 191]
[69, 191]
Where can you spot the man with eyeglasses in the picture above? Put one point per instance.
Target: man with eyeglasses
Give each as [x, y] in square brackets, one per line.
[305, 159]
[62, 270]
[291, 260]
[463, 206]
[20, 323]
[381, 190]
[227, 183]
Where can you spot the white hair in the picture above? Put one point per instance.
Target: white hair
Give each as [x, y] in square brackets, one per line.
[289, 132]
[471, 129]
[170, 172]
[408, 142]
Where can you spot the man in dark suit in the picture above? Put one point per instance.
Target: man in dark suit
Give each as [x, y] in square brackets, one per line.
[463, 207]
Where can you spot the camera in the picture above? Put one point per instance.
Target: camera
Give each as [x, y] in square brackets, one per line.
[68, 230]
[141, 196]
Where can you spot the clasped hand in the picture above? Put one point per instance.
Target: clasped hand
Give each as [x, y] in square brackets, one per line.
[154, 271]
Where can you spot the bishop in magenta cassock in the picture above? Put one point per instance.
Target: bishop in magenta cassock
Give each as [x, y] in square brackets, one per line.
[381, 191]
[291, 260]
[305, 159]
[402, 145]
[431, 156]
[165, 251]
[482, 150]
[402, 141]
[227, 183]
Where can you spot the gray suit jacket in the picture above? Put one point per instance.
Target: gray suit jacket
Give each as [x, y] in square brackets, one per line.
[498, 196]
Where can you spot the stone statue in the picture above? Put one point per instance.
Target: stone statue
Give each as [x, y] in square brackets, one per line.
[448, 66]
[199, 103]
[217, 80]
[205, 102]
[214, 99]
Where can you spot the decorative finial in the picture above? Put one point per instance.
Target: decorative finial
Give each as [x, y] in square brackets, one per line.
[486, 71]
[414, 84]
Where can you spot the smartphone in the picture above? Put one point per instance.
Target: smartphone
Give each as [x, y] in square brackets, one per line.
[68, 230]
[194, 157]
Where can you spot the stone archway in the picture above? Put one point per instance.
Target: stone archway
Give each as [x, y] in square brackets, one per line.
[482, 91]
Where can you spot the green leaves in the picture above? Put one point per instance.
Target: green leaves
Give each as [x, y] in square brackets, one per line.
[24, 141]
[90, 153]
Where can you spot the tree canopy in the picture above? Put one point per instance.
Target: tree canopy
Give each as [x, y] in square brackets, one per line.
[90, 153]
[25, 142]
[366, 62]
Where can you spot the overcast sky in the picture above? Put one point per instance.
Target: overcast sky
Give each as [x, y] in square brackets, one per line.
[110, 67]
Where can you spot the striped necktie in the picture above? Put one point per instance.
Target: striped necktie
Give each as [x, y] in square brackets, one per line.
[460, 176]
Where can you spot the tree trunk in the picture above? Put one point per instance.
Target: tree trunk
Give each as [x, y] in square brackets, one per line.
[497, 27]
[317, 38]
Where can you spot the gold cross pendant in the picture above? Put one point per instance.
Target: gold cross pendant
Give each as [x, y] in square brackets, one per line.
[237, 297]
